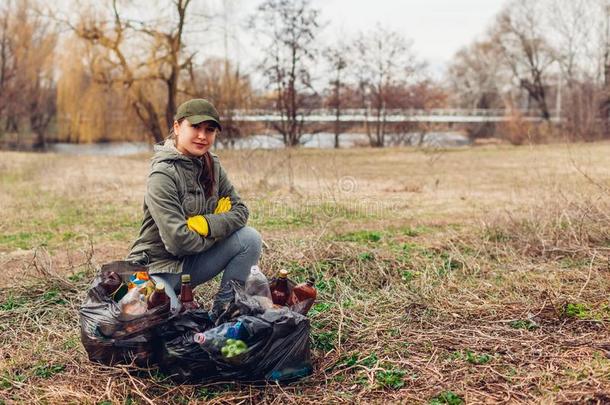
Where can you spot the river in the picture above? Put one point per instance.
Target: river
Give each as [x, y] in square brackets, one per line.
[320, 140]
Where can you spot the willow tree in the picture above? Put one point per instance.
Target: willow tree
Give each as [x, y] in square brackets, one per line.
[27, 85]
[145, 57]
[90, 110]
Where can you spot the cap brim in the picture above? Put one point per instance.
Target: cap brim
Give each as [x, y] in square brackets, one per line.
[198, 119]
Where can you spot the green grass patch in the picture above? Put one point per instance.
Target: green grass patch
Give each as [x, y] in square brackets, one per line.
[361, 236]
[12, 303]
[392, 379]
[446, 398]
[324, 341]
[407, 275]
[7, 380]
[53, 297]
[523, 324]
[415, 231]
[25, 240]
[48, 370]
[366, 256]
[472, 357]
[577, 310]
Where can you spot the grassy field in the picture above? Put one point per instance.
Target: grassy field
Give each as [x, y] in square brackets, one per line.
[475, 275]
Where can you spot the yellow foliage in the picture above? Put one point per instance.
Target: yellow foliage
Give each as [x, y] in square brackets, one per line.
[88, 109]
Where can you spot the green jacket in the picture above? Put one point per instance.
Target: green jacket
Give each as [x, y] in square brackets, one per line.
[173, 194]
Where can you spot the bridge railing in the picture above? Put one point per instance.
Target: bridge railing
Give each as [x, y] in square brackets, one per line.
[396, 115]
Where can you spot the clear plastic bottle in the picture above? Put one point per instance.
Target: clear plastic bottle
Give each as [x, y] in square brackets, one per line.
[257, 283]
[210, 342]
[133, 303]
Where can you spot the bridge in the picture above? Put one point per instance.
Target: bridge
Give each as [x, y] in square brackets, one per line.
[435, 115]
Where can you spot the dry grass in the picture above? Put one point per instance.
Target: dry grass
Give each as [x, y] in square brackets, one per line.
[481, 274]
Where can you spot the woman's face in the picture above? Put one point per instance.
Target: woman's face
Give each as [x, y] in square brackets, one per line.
[194, 140]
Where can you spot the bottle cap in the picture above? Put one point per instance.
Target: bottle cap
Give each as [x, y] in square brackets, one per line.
[283, 273]
[311, 280]
[186, 278]
[199, 338]
[160, 286]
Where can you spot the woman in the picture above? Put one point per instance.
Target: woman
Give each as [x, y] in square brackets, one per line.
[194, 220]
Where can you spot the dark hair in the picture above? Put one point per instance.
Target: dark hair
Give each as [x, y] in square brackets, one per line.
[206, 178]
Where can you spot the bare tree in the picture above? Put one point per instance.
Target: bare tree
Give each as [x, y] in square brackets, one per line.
[337, 59]
[384, 59]
[604, 105]
[156, 56]
[229, 89]
[474, 77]
[287, 30]
[519, 37]
[572, 32]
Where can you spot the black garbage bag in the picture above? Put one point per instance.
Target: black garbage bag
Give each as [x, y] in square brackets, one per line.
[190, 347]
[276, 344]
[111, 337]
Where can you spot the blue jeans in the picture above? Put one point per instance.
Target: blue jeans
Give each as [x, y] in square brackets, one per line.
[235, 255]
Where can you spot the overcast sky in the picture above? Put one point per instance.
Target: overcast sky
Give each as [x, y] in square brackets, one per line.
[438, 28]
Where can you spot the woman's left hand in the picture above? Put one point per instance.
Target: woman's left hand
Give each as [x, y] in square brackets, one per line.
[224, 205]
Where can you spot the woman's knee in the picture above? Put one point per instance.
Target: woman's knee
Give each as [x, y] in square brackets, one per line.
[250, 238]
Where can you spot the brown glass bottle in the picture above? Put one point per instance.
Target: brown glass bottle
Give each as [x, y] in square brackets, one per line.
[279, 291]
[158, 297]
[303, 296]
[186, 294]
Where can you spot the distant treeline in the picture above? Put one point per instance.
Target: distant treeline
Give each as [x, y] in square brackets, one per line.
[96, 73]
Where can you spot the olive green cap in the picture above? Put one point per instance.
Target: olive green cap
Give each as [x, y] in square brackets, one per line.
[198, 110]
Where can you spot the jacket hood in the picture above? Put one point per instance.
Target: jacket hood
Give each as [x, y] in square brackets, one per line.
[167, 152]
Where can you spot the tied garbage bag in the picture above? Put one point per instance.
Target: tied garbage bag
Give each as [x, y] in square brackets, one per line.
[111, 336]
[249, 342]
[253, 344]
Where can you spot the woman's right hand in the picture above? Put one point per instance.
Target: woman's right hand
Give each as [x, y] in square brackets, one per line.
[198, 224]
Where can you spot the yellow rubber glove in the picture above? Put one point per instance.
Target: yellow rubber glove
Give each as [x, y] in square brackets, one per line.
[224, 205]
[198, 224]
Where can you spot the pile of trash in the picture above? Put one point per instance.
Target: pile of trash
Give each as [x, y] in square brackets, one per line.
[261, 335]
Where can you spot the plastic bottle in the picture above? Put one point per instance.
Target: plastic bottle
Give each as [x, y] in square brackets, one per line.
[257, 283]
[113, 285]
[158, 297]
[280, 292]
[210, 342]
[257, 287]
[186, 294]
[303, 296]
[236, 331]
[133, 303]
